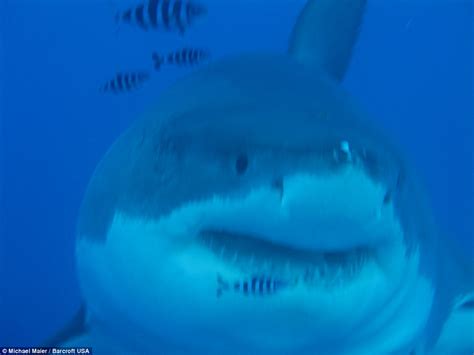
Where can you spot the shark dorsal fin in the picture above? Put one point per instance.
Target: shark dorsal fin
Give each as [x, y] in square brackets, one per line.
[325, 33]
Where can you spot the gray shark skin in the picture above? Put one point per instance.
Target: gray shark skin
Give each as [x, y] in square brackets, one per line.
[262, 167]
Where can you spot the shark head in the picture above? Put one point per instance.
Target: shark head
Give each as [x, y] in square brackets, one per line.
[254, 172]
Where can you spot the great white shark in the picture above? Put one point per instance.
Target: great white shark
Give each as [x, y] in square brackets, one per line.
[262, 167]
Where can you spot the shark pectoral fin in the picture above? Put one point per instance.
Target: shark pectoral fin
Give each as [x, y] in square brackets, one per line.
[457, 270]
[80, 333]
[457, 276]
[457, 336]
[325, 33]
[74, 328]
[100, 343]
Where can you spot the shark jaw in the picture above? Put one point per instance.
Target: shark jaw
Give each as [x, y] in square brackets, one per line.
[334, 237]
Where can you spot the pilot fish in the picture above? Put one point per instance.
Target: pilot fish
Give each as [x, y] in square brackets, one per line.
[181, 57]
[169, 15]
[255, 285]
[125, 82]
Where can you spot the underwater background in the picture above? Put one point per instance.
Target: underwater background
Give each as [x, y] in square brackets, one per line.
[412, 70]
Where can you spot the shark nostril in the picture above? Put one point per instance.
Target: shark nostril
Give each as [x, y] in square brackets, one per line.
[278, 185]
[388, 197]
[241, 164]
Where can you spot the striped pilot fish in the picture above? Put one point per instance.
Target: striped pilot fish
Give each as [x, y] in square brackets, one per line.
[125, 82]
[181, 57]
[169, 15]
[257, 285]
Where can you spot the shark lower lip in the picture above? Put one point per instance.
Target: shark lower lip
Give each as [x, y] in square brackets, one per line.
[251, 255]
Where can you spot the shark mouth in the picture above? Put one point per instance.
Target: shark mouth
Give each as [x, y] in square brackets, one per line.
[253, 256]
[323, 232]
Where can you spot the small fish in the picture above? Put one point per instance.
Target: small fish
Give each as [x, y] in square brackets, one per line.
[169, 15]
[125, 82]
[257, 285]
[181, 57]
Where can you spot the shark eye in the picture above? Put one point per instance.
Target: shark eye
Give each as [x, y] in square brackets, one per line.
[241, 164]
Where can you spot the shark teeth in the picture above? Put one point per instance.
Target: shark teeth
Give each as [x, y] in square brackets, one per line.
[253, 255]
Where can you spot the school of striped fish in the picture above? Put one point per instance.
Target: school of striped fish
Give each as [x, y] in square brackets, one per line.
[172, 16]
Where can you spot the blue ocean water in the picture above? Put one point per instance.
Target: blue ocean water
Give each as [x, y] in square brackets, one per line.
[412, 69]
